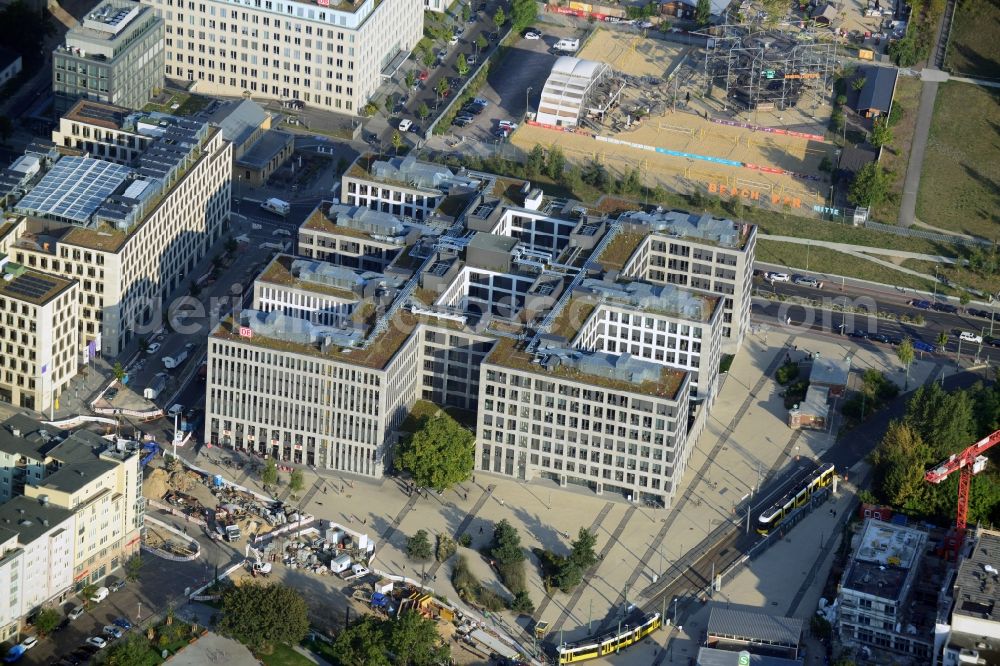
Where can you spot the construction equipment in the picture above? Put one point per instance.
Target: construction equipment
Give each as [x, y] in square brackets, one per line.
[969, 462]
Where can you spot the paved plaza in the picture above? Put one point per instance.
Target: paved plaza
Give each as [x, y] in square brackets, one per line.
[746, 441]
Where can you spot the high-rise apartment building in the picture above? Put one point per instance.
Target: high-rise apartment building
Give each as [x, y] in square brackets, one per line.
[39, 339]
[331, 56]
[126, 229]
[115, 56]
[480, 293]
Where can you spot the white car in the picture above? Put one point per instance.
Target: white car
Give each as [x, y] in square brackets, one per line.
[97, 642]
[967, 336]
[777, 277]
[532, 35]
[405, 124]
[470, 59]
[646, 24]
[153, 348]
[453, 40]
[29, 642]
[507, 125]
[281, 232]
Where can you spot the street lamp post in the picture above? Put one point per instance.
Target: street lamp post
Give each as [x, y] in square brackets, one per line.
[527, 103]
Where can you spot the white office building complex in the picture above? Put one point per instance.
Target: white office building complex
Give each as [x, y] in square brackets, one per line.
[330, 56]
[492, 299]
[125, 229]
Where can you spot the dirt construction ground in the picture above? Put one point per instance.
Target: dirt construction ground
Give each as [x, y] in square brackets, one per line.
[684, 130]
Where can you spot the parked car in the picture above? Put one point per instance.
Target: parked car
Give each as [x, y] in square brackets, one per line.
[969, 336]
[923, 305]
[879, 337]
[473, 109]
[645, 25]
[481, 102]
[945, 307]
[122, 622]
[112, 631]
[405, 124]
[110, 394]
[461, 121]
[97, 642]
[806, 281]
[895, 340]
[507, 125]
[29, 642]
[777, 277]
[153, 348]
[471, 60]
[920, 345]
[858, 333]
[117, 586]
[423, 76]
[531, 34]
[973, 312]
[453, 40]
[75, 613]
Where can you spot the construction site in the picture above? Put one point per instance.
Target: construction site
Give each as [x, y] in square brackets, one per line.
[744, 117]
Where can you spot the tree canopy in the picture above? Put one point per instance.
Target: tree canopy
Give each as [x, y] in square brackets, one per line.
[703, 12]
[418, 546]
[439, 454]
[410, 640]
[261, 615]
[937, 424]
[522, 14]
[870, 185]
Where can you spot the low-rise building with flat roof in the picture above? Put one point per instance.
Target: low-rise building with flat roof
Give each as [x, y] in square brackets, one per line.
[734, 627]
[971, 635]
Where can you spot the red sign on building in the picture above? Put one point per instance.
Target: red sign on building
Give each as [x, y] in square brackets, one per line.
[246, 332]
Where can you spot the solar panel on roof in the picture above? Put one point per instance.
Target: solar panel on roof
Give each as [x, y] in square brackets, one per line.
[99, 113]
[30, 286]
[74, 188]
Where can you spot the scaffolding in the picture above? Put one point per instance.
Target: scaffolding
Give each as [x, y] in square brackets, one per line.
[767, 69]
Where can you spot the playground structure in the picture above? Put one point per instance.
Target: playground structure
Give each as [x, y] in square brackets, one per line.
[768, 69]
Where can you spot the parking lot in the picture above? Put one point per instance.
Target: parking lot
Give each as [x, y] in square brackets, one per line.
[515, 82]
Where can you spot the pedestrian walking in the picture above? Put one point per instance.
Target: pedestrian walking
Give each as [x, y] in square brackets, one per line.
[480, 529]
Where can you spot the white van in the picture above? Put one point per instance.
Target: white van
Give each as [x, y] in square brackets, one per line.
[277, 206]
[567, 45]
[281, 232]
[967, 336]
[100, 594]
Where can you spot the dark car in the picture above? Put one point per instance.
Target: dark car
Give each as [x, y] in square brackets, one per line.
[985, 314]
[895, 340]
[120, 584]
[993, 342]
[879, 337]
[473, 109]
[110, 394]
[461, 122]
[858, 333]
[920, 345]
[945, 307]
[923, 305]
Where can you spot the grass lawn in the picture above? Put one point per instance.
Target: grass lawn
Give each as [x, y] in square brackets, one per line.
[188, 104]
[831, 262]
[896, 155]
[960, 182]
[972, 50]
[284, 656]
[323, 649]
[955, 275]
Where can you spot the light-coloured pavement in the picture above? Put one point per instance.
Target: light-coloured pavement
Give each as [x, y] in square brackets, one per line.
[911, 184]
[756, 441]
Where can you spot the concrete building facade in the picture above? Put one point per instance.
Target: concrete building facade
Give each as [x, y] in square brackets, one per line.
[327, 56]
[116, 56]
[126, 232]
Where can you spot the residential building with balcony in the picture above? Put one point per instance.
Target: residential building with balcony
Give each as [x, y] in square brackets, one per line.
[968, 631]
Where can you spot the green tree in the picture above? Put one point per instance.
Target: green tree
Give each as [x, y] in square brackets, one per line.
[944, 420]
[134, 650]
[461, 66]
[389, 104]
[870, 185]
[535, 164]
[133, 568]
[703, 12]
[418, 546]
[47, 620]
[118, 372]
[423, 111]
[582, 550]
[296, 482]
[881, 133]
[269, 475]
[416, 642]
[555, 163]
[86, 592]
[506, 545]
[499, 19]
[904, 352]
[362, 643]
[964, 298]
[859, 83]
[481, 42]
[410, 78]
[428, 58]
[899, 461]
[439, 454]
[942, 339]
[263, 615]
[522, 603]
[466, 11]
[397, 141]
[442, 87]
[568, 576]
[523, 14]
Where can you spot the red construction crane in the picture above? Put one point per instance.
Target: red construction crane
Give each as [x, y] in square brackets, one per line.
[968, 462]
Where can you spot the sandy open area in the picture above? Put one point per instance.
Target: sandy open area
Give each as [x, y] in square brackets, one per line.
[632, 54]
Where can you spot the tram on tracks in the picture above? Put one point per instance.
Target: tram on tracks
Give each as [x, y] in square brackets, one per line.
[804, 485]
[607, 644]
